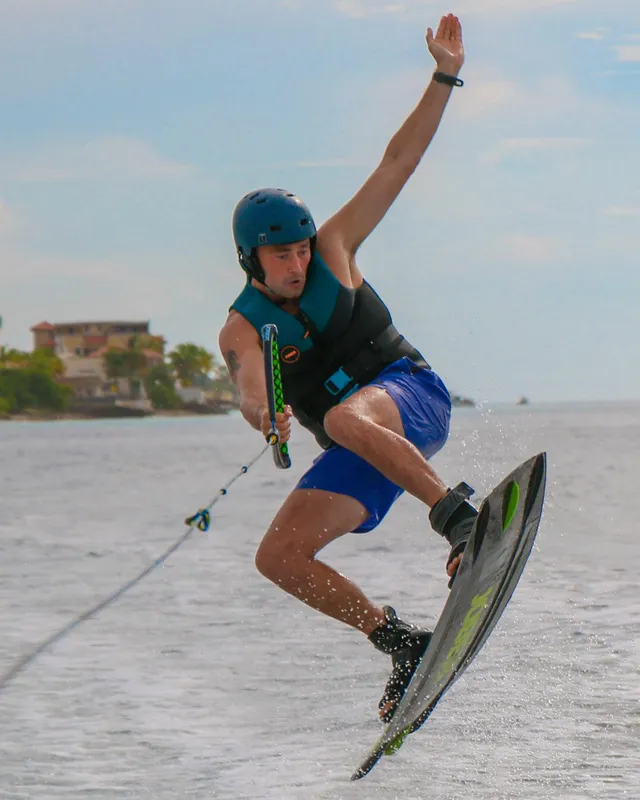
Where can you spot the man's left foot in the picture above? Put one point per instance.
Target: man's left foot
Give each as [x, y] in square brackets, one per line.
[406, 644]
[454, 517]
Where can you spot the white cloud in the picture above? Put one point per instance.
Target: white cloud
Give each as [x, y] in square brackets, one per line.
[483, 96]
[35, 286]
[325, 163]
[622, 211]
[522, 145]
[24, 7]
[107, 158]
[628, 52]
[359, 9]
[9, 221]
[592, 35]
[540, 104]
[541, 143]
[510, 7]
[21, 266]
[528, 250]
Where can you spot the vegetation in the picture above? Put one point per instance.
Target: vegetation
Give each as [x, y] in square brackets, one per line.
[191, 363]
[130, 363]
[160, 385]
[188, 364]
[30, 380]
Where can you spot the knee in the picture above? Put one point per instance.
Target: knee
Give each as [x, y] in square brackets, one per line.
[266, 563]
[341, 423]
[273, 561]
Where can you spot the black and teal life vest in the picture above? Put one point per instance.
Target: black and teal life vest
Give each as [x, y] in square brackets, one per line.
[340, 339]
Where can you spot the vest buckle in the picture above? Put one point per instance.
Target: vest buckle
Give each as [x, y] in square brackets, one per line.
[338, 382]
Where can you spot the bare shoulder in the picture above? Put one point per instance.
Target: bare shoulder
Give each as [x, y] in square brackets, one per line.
[236, 339]
[237, 332]
[242, 352]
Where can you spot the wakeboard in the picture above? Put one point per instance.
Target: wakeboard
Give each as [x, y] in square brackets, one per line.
[493, 561]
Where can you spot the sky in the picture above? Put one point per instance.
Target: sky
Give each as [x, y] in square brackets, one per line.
[129, 129]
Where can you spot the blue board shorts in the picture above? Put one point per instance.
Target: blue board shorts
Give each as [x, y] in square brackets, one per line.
[425, 408]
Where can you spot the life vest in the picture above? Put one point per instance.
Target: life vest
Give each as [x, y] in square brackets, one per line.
[340, 339]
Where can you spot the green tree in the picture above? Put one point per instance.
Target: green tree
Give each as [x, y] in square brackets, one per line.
[160, 386]
[149, 342]
[24, 388]
[129, 363]
[17, 358]
[41, 360]
[191, 362]
[47, 361]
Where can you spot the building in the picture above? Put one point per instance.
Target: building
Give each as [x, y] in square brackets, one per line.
[86, 376]
[81, 347]
[86, 338]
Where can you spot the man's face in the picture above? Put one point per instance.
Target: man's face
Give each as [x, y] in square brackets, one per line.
[285, 267]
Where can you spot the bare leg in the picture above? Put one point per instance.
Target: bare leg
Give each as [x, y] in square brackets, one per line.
[369, 424]
[307, 521]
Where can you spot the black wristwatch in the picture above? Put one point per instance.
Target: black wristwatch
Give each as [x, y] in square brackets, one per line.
[449, 80]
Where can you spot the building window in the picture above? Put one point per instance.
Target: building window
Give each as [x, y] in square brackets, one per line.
[78, 351]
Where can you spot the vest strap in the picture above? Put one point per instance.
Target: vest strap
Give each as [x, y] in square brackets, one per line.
[387, 347]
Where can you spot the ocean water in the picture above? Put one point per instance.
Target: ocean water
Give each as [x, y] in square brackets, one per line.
[205, 681]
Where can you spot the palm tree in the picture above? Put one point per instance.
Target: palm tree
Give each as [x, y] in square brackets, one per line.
[191, 362]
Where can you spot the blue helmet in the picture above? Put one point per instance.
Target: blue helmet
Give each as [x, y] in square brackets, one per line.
[269, 216]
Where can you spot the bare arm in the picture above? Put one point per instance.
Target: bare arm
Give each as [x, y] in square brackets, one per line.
[240, 346]
[351, 225]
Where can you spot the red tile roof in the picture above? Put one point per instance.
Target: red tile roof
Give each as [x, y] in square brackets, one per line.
[43, 326]
[99, 353]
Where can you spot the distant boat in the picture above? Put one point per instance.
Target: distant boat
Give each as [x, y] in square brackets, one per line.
[523, 401]
[458, 400]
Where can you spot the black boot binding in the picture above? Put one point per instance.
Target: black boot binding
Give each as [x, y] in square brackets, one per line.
[406, 645]
[453, 517]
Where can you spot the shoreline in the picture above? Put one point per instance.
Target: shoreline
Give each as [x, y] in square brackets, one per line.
[66, 416]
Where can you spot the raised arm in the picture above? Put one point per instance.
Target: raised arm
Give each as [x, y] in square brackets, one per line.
[241, 350]
[353, 223]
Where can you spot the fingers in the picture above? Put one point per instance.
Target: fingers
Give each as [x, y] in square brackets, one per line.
[453, 566]
[449, 29]
[283, 424]
[455, 33]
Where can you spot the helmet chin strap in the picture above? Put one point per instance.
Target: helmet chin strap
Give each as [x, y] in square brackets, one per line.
[277, 299]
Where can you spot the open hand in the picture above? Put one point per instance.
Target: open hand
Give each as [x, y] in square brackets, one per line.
[446, 46]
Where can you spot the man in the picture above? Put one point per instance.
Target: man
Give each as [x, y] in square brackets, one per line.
[370, 398]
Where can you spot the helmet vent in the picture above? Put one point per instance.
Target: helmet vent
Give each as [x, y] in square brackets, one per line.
[304, 221]
[261, 200]
[275, 228]
[253, 196]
